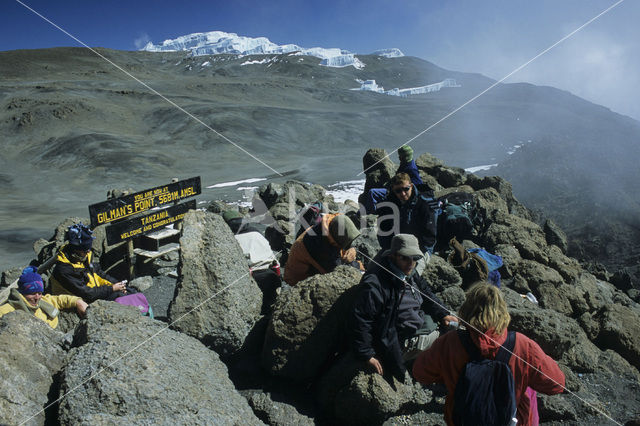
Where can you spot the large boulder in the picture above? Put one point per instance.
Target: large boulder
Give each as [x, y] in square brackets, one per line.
[369, 399]
[291, 192]
[350, 393]
[130, 369]
[620, 331]
[440, 274]
[523, 234]
[555, 235]
[378, 168]
[216, 300]
[276, 413]
[32, 353]
[307, 323]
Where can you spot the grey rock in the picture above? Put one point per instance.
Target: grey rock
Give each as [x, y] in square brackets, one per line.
[130, 369]
[525, 235]
[428, 163]
[370, 399]
[568, 267]
[451, 176]
[510, 259]
[32, 353]
[440, 274]
[555, 235]
[419, 418]
[378, 168]
[306, 324]
[216, 300]
[276, 413]
[620, 331]
[505, 190]
[141, 283]
[291, 192]
[452, 297]
[556, 407]
[366, 245]
[10, 275]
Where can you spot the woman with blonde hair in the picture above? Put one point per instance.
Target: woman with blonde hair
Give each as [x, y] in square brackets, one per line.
[484, 312]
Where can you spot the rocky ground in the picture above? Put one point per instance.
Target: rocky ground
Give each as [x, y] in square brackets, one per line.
[215, 357]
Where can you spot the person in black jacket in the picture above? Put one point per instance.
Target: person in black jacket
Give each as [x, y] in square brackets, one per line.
[390, 310]
[406, 211]
[75, 273]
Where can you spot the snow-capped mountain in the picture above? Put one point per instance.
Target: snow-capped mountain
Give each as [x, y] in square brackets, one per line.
[218, 42]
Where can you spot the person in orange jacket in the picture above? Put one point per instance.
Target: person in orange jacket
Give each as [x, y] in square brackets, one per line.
[485, 312]
[321, 248]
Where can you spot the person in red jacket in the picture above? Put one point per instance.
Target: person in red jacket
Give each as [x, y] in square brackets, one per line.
[484, 311]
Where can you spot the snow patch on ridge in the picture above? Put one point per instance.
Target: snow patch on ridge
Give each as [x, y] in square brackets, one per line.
[389, 53]
[372, 86]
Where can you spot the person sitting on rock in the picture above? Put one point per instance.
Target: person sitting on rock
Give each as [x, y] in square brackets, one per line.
[484, 311]
[74, 273]
[394, 310]
[321, 248]
[407, 165]
[28, 297]
[406, 211]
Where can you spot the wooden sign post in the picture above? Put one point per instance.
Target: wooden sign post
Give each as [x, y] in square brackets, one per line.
[141, 213]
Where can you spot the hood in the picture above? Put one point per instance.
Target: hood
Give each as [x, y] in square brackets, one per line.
[489, 343]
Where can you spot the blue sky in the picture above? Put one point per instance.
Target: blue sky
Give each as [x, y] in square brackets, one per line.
[600, 63]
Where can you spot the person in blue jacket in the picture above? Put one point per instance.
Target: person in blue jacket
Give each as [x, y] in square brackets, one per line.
[407, 165]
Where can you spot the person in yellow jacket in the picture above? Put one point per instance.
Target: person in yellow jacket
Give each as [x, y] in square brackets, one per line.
[28, 297]
[321, 248]
[74, 273]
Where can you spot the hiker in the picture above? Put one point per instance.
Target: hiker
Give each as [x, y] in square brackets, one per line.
[321, 248]
[28, 297]
[75, 274]
[407, 165]
[406, 211]
[485, 313]
[395, 312]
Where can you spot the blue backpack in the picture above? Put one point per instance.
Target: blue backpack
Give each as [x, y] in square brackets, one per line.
[485, 393]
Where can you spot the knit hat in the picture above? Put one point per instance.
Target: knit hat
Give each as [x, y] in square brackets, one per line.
[405, 153]
[30, 283]
[405, 245]
[231, 214]
[343, 231]
[80, 237]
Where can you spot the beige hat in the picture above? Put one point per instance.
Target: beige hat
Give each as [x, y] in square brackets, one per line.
[405, 245]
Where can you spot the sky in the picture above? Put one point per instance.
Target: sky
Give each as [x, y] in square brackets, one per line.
[600, 63]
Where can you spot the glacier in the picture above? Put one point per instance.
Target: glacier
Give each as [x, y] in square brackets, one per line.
[220, 42]
[372, 86]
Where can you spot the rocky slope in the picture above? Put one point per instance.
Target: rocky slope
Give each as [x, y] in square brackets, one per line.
[74, 126]
[116, 366]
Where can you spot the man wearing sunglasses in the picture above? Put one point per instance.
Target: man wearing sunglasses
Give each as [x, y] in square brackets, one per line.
[394, 311]
[406, 211]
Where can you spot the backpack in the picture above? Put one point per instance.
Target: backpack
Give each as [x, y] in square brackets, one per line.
[485, 392]
[139, 301]
[494, 262]
[458, 216]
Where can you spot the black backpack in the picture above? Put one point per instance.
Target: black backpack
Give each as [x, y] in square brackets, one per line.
[458, 216]
[485, 393]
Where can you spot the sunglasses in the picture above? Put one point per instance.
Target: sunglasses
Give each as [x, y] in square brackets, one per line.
[402, 189]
